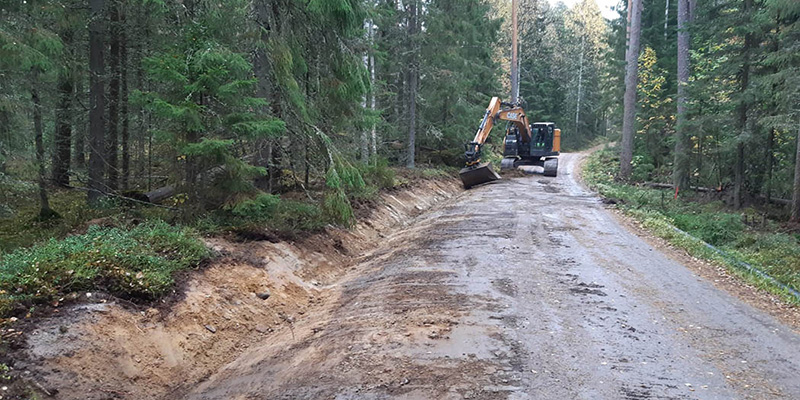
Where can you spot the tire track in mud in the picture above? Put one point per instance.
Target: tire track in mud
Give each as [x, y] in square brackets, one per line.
[525, 288]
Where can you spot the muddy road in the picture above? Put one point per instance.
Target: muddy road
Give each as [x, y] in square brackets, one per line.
[526, 288]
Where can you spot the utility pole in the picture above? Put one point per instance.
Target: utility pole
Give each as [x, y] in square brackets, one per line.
[514, 62]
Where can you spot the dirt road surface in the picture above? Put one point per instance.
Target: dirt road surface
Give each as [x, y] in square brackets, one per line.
[523, 289]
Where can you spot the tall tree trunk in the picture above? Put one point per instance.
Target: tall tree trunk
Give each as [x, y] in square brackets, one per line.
[140, 122]
[666, 20]
[743, 109]
[738, 180]
[514, 48]
[628, 29]
[364, 100]
[264, 88]
[123, 110]
[112, 142]
[774, 106]
[96, 103]
[796, 194]
[412, 84]
[374, 133]
[45, 212]
[142, 118]
[81, 132]
[680, 172]
[631, 78]
[63, 136]
[580, 83]
[770, 158]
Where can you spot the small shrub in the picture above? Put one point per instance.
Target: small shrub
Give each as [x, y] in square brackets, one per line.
[379, 174]
[432, 173]
[337, 209]
[718, 229]
[295, 216]
[262, 207]
[641, 169]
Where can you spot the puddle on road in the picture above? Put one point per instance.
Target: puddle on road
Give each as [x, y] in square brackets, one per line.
[467, 341]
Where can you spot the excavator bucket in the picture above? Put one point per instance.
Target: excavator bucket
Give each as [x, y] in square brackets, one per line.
[477, 174]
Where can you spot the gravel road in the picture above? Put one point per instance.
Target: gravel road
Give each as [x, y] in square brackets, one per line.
[527, 288]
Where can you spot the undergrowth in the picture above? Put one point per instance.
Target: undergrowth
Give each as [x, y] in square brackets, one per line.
[264, 213]
[763, 246]
[21, 227]
[135, 263]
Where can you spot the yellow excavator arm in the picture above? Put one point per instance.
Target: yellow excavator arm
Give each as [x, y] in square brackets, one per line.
[498, 110]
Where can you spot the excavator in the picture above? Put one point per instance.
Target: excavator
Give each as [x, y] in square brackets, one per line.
[525, 144]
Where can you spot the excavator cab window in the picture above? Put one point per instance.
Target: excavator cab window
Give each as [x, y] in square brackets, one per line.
[539, 137]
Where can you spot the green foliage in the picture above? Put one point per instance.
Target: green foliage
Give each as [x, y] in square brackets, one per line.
[654, 117]
[378, 174]
[433, 173]
[337, 209]
[204, 99]
[265, 213]
[12, 192]
[22, 228]
[716, 228]
[261, 207]
[341, 179]
[295, 216]
[561, 52]
[138, 263]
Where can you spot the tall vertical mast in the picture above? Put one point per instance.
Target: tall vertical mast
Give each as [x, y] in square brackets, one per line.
[514, 62]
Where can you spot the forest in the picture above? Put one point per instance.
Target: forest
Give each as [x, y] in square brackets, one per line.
[287, 113]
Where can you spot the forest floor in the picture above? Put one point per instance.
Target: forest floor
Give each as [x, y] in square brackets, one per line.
[525, 288]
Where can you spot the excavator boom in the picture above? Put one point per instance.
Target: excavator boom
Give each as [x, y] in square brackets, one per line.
[475, 172]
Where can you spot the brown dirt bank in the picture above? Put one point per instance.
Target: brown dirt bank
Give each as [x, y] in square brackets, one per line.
[101, 348]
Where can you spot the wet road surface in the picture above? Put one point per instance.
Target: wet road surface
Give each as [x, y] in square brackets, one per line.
[522, 289]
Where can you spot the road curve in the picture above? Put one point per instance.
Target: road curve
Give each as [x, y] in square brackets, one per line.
[526, 288]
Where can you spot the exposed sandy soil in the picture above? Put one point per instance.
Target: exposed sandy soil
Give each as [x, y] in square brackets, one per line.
[525, 288]
[102, 348]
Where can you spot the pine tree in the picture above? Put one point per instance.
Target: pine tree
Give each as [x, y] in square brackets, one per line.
[681, 163]
[30, 51]
[63, 135]
[207, 110]
[96, 102]
[112, 131]
[631, 77]
[413, 73]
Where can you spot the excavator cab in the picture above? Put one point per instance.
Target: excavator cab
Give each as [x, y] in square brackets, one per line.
[544, 140]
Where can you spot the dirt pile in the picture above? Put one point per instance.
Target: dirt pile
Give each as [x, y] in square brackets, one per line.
[104, 349]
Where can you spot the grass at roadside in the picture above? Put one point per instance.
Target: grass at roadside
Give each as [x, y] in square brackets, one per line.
[764, 246]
